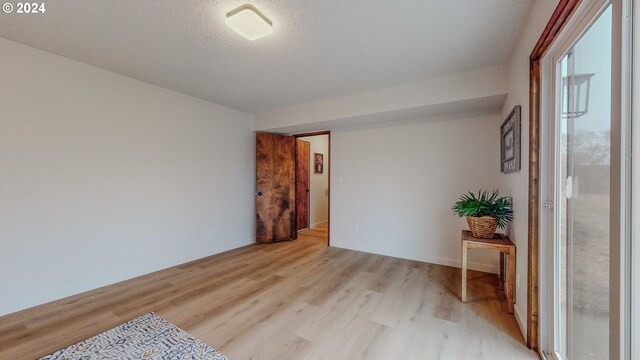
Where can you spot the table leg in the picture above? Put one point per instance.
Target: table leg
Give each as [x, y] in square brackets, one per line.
[501, 273]
[464, 272]
[512, 279]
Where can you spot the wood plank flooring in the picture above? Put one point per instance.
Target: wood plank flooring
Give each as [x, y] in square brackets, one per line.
[316, 234]
[292, 300]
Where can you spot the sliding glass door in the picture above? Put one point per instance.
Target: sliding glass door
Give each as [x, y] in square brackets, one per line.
[580, 196]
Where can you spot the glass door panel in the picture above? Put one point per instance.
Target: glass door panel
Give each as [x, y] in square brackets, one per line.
[583, 143]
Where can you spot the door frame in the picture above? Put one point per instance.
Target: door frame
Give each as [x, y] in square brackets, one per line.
[308, 192]
[316, 133]
[560, 17]
[621, 160]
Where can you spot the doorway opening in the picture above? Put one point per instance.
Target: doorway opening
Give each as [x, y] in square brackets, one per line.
[313, 163]
[280, 184]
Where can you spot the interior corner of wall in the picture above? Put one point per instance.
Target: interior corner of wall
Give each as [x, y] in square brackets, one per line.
[522, 322]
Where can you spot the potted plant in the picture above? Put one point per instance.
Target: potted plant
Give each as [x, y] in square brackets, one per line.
[484, 212]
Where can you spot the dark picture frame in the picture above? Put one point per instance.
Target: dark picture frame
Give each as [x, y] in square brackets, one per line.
[510, 142]
[318, 163]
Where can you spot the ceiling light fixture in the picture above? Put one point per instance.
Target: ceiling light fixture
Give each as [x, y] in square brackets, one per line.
[249, 22]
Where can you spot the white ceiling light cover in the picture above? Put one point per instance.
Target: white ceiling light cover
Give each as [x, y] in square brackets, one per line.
[249, 22]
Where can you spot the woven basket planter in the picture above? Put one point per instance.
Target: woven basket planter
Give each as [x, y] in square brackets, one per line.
[483, 227]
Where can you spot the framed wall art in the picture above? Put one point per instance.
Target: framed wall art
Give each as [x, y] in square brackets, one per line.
[318, 163]
[510, 142]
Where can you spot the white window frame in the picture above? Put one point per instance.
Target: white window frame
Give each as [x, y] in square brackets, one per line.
[622, 256]
[632, 58]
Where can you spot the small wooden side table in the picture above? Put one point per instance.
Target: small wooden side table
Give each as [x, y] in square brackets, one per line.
[501, 243]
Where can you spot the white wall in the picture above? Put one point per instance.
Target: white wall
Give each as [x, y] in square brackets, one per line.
[318, 183]
[103, 178]
[517, 184]
[397, 182]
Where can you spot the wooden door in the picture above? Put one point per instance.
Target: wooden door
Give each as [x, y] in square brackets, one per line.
[302, 184]
[275, 188]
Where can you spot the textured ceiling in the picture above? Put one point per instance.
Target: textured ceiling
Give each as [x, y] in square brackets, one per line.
[319, 48]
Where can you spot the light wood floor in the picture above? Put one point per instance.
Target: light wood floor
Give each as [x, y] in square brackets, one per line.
[293, 300]
[316, 234]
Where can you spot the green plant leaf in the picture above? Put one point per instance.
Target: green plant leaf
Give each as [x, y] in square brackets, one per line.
[485, 204]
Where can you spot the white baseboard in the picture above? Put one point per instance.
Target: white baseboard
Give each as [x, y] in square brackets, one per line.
[8, 306]
[488, 268]
[318, 224]
[521, 322]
